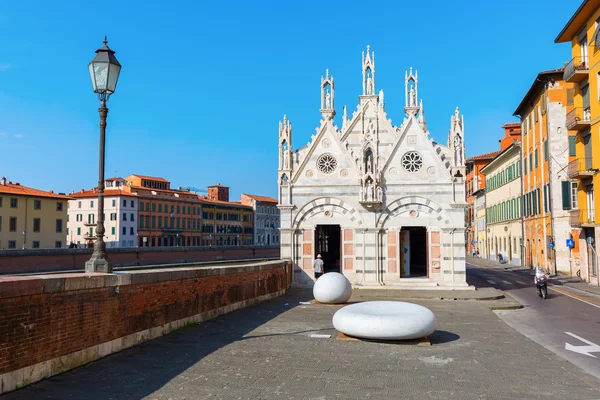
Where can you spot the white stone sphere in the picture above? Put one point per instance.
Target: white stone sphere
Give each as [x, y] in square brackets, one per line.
[385, 320]
[332, 287]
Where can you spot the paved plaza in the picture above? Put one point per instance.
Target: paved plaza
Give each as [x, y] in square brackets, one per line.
[267, 352]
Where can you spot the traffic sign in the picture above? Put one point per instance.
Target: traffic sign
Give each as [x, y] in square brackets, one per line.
[570, 243]
[551, 245]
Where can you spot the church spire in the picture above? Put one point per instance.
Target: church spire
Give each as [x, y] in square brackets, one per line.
[285, 144]
[368, 72]
[411, 92]
[327, 95]
[456, 138]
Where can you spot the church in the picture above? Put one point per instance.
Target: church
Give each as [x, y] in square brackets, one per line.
[383, 204]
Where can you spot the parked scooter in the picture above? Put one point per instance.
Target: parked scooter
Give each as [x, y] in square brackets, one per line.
[540, 281]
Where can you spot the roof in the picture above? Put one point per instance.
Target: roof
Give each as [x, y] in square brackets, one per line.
[94, 193]
[20, 190]
[152, 178]
[486, 156]
[218, 185]
[227, 203]
[115, 179]
[536, 84]
[511, 125]
[514, 145]
[583, 13]
[261, 198]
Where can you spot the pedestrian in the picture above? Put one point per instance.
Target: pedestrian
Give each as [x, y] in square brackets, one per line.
[318, 265]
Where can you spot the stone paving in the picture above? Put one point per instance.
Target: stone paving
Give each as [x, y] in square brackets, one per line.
[267, 352]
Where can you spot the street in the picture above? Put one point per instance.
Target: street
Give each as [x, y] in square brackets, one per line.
[566, 323]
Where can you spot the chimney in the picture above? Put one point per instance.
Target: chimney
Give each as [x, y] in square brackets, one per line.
[3, 181]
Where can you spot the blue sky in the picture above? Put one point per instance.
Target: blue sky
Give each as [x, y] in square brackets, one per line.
[204, 84]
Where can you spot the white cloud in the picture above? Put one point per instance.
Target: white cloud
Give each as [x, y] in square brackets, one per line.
[3, 133]
[4, 67]
[19, 135]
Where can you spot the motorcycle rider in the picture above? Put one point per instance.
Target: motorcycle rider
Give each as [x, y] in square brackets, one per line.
[539, 274]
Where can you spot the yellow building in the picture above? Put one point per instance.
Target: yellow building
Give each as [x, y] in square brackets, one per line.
[583, 32]
[547, 148]
[31, 218]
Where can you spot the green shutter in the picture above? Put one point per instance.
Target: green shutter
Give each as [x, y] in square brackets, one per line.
[536, 158]
[525, 166]
[566, 195]
[572, 146]
[546, 150]
[531, 162]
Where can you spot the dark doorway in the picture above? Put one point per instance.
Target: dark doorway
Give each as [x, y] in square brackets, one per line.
[414, 251]
[327, 244]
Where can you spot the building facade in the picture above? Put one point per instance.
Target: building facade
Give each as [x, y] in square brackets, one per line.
[547, 149]
[382, 204]
[480, 231]
[583, 71]
[474, 184]
[266, 219]
[120, 221]
[503, 206]
[226, 223]
[31, 218]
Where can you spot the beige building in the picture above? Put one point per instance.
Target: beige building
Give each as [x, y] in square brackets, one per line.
[503, 206]
[31, 218]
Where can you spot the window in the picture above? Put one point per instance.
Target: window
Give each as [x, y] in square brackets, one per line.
[574, 201]
[59, 225]
[59, 206]
[131, 230]
[14, 203]
[12, 224]
[58, 244]
[79, 204]
[178, 209]
[36, 224]
[536, 158]
[160, 208]
[124, 203]
[79, 217]
[566, 187]
[546, 150]
[131, 217]
[92, 204]
[78, 231]
[124, 216]
[573, 145]
[36, 244]
[124, 230]
[531, 162]
[37, 204]
[91, 218]
[113, 230]
[12, 244]
[153, 207]
[132, 204]
[0, 223]
[0, 202]
[114, 202]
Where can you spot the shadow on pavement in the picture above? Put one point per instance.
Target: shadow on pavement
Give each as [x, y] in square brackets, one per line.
[441, 337]
[141, 370]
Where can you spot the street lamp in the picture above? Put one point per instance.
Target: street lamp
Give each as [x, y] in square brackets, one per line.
[104, 72]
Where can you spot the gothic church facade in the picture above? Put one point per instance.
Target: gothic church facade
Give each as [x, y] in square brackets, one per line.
[382, 204]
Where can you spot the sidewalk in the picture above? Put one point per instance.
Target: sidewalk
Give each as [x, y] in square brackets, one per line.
[568, 281]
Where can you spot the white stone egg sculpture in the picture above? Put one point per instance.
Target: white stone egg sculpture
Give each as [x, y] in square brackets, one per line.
[385, 320]
[333, 288]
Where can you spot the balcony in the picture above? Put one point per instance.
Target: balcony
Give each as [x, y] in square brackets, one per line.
[582, 218]
[579, 118]
[576, 70]
[580, 168]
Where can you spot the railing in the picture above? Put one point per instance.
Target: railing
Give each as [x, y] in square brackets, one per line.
[578, 118]
[580, 167]
[577, 64]
[582, 217]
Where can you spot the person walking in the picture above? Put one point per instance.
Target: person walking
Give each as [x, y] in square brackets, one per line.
[318, 266]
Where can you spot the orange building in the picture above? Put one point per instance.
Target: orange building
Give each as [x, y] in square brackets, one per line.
[547, 148]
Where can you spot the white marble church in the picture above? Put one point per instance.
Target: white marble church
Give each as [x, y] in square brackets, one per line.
[382, 204]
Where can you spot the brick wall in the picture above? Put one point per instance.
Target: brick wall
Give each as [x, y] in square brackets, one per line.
[48, 260]
[49, 324]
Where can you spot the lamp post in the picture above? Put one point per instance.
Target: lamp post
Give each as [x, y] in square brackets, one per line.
[104, 71]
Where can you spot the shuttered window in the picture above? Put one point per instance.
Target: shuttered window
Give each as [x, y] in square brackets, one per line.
[546, 150]
[566, 195]
[536, 158]
[570, 96]
[572, 146]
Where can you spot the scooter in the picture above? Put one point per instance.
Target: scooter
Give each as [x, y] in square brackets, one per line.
[541, 283]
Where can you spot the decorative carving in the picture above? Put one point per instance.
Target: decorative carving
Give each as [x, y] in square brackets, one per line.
[431, 171]
[413, 213]
[344, 172]
[326, 143]
[412, 161]
[393, 171]
[310, 173]
[326, 163]
[411, 139]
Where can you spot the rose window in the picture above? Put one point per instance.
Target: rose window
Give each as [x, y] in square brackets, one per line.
[412, 161]
[327, 163]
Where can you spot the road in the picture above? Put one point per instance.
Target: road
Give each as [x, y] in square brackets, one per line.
[566, 323]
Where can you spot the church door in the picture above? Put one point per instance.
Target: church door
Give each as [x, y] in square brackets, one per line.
[328, 245]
